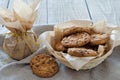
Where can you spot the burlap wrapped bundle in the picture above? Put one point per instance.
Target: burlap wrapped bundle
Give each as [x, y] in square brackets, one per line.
[20, 41]
[50, 38]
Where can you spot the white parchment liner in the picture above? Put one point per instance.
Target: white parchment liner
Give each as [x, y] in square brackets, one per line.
[78, 63]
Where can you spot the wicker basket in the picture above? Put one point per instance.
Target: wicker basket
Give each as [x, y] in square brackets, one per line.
[78, 63]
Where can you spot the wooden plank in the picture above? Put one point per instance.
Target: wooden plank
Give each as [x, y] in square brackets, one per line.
[102, 10]
[42, 11]
[4, 4]
[116, 9]
[64, 10]
[10, 4]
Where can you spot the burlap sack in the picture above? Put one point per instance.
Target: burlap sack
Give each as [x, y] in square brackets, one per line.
[20, 41]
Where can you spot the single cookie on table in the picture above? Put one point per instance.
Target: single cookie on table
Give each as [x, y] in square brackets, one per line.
[82, 52]
[72, 30]
[44, 65]
[98, 39]
[76, 40]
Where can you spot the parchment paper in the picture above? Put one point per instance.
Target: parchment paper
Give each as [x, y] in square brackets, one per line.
[108, 70]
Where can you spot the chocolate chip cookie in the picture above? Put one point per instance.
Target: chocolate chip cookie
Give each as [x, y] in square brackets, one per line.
[82, 52]
[98, 39]
[72, 30]
[76, 40]
[44, 65]
[60, 47]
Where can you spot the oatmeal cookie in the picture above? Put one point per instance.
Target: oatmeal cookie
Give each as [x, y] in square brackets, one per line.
[76, 40]
[60, 47]
[44, 65]
[82, 52]
[98, 39]
[72, 30]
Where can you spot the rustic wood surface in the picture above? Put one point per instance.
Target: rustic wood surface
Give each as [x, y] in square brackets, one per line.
[102, 10]
[64, 10]
[53, 12]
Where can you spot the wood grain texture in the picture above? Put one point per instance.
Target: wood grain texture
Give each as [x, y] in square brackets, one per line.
[102, 10]
[63, 10]
[116, 9]
[4, 4]
[10, 5]
[42, 11]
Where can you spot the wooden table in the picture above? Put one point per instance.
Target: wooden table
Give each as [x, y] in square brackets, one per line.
[56, 11]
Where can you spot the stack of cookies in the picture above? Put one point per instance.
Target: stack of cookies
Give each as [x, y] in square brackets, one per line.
[81, 42]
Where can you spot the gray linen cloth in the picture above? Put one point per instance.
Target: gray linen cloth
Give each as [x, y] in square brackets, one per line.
[20, 70]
